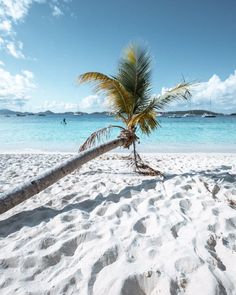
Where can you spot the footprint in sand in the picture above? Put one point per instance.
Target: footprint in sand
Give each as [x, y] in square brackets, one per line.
[187, 264]
[215, 211]
[46, 243]
[136, 202]
[176, 196]
[69, 196]
[6, 283]
[186, 187]
[102, 210]
[67, 218]
[139, 226]
[231, 223]
[70, 283]
[213, 227]
[51, 259]
[141, 284]
[86, 237]
[230, 241]
[175, 228]
[11, 262]
[29, 262]
[109, 257]
[123, 208]
[211, 243]
[185, 205]
[69, 247]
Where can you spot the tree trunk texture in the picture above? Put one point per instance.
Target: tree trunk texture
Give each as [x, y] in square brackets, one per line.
[135, 155]
[22, 192]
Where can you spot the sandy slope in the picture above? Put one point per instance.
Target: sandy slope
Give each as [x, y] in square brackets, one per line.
[105, 230]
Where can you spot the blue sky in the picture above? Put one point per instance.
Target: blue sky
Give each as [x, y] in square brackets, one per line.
[45, 45]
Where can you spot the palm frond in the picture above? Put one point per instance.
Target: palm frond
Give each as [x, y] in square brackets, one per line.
[179, 92]
[146, 120]
[119, 99]
[134, 73]
[128, 92]
[148, 123]
[93, 77]
[96, 137]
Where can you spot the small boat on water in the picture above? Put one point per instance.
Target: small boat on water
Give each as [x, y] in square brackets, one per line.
[208, 115]
[20, 115]
[174, 116]
[188, 115]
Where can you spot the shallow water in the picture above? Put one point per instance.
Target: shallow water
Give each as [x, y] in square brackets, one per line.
[47, 133]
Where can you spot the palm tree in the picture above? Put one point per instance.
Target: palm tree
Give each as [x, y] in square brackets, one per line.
[129, 95]
[130, 100]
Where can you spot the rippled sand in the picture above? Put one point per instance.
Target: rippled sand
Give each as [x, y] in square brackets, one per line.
[106, 230]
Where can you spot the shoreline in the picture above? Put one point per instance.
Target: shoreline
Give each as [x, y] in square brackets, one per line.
[122, 151]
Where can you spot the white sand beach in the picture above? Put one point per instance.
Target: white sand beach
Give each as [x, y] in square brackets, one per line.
[106, 230]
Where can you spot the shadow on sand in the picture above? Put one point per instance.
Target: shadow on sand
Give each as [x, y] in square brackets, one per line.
[34, 217]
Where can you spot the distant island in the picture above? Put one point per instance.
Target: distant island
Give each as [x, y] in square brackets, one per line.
[7, 112]
[187, 113]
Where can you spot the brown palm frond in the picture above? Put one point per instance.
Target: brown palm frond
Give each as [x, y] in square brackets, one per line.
[96, 136]
[92, 76]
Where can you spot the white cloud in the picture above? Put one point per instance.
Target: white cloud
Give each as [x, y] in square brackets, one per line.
[222, 93]
[57, 106]
[15, 49]
[93, 103]
[15, 89]
[16, 10]
[1, 63]
[89, 104]
[11, 13]
[56, 11]
[217, 94]
[5, 26]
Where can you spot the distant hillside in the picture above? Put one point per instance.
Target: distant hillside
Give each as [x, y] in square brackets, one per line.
[6, 112]
[193, 112]
[50, 113]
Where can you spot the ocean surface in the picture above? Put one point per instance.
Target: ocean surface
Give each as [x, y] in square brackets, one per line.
[49, 134]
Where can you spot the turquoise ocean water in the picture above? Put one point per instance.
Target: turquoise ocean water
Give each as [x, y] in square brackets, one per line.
[48, 134]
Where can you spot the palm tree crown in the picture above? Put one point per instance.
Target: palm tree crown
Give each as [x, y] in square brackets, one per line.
[129, 94]
[129, 91]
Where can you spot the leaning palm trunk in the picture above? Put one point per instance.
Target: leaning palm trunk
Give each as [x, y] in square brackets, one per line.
[28, 189]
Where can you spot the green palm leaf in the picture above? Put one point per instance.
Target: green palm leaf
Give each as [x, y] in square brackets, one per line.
[134, 73]
[96, 137]
[179, 92]
[145, 120]
[119, 98]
